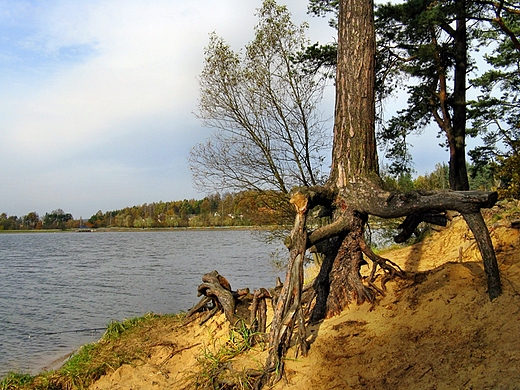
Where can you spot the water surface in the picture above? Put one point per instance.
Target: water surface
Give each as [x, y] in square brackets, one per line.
[55, 286]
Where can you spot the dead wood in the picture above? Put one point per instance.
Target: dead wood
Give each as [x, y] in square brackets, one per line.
[258, 314]
[288, 312]
[200, 306]
[218, 296]
[218, 289]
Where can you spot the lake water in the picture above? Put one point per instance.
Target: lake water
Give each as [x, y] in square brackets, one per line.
[56, 286]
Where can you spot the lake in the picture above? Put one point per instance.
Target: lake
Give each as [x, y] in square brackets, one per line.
[57, 287]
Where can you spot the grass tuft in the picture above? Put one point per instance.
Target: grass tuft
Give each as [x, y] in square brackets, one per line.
[115, 329]
[13, 381]
[123, 343]
[215, 368]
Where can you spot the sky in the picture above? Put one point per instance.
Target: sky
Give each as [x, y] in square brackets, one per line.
[97, 99]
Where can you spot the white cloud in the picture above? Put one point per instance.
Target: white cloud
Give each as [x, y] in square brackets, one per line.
[144, 61]
[97, 97]
[102, 81]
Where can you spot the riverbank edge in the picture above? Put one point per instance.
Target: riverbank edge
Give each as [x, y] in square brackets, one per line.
[166, 229]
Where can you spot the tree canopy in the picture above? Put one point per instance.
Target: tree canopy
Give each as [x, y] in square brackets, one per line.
[269, 132]
[495, 114]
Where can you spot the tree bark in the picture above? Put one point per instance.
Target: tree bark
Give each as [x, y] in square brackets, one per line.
[329, 248]
[288, 310]
[458, 175]
[345, 281]
[354, 155]
[354, 151]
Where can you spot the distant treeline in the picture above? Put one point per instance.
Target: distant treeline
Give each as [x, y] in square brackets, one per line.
[243, 209]
[57, 219]
[247, 208]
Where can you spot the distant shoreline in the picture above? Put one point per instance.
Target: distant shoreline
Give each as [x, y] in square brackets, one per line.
[32, 231]
[166, 229]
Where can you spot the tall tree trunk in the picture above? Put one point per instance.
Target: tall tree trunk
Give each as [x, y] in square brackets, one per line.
[352, 193]
[354, 154]
[354, 158]
[457, 141]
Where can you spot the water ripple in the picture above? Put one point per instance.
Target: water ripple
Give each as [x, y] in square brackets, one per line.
[62, 282]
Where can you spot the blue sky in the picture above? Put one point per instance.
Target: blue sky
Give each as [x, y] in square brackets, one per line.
[97, 98]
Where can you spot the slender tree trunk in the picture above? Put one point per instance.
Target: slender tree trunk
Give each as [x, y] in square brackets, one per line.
[457, 141]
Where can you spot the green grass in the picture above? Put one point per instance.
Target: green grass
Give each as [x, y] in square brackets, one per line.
[123, 343]
[506, 210]
[15, 380]
[116, 329]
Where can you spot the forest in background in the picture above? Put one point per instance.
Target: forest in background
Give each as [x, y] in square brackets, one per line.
[247, 208]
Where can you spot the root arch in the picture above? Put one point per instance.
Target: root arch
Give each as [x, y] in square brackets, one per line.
[344, 249]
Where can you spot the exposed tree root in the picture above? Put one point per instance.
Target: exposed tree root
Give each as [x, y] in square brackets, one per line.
[479, 229]
[218, 296]
[258, 314]
[218, 289]
[342, 245]
[390, 269]
[288, 310]
[412, 221]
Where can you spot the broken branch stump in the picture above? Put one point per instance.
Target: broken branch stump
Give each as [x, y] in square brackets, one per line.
[217, 288]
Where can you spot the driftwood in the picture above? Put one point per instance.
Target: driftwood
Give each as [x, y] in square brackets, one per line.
[217, 296]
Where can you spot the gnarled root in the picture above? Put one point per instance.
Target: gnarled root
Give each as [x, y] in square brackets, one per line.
[258, 316]
[218, 288]
[391, 270]
[288, 312]
[218, 296]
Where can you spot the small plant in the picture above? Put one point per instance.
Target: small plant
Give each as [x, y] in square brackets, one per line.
[82, 368]
[241, 337]
[216, 371]
[496, 218]
[115, 329]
